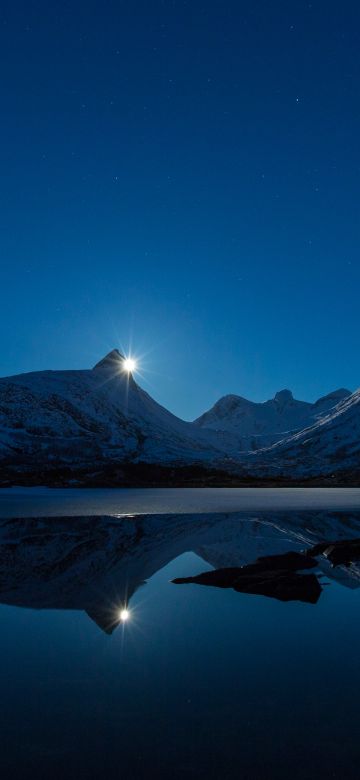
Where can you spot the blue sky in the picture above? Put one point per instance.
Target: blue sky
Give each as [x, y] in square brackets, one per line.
[183, 177]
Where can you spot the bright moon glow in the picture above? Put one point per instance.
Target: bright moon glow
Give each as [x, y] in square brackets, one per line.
[124, 615]
[129, 364]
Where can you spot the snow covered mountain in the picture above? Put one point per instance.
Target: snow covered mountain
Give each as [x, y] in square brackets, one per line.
[74, 427]
[92, 416]
[330, 445]
[257, 425]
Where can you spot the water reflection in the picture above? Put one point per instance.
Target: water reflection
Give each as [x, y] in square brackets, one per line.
[97, 563]
[276, 576]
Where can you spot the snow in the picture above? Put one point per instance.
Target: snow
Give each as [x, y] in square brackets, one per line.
[332, 443]
[257, 425]
[95, 413]
[97, 416]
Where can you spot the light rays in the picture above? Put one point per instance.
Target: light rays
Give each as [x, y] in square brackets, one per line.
[129, 365]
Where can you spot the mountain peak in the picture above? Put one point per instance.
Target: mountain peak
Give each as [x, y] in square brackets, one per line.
[111, 360]
[335, 396]
[284, 396]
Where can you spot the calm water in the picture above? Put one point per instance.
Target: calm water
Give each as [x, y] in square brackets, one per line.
[201, 681]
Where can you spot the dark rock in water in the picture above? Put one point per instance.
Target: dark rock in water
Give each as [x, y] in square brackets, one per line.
[271, 575]
[284, 585]
[343, 552]
[291, 561]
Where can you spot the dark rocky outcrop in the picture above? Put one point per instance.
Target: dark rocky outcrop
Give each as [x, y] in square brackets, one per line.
[275, 576]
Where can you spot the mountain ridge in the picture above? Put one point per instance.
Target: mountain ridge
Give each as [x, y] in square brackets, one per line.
[261, 424]
[93, 420]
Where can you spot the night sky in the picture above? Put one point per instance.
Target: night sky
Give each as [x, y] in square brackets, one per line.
[183, 178]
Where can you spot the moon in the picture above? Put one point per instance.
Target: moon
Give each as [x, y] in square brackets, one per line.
[129, 365]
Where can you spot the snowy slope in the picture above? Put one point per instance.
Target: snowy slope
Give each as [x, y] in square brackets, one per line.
[258, 425]
[85, 420]
[90, 415]
[332, 444]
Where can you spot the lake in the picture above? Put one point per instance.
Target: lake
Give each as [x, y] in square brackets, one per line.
[110, 668]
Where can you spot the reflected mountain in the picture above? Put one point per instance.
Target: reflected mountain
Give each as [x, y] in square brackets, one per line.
[96, 564]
